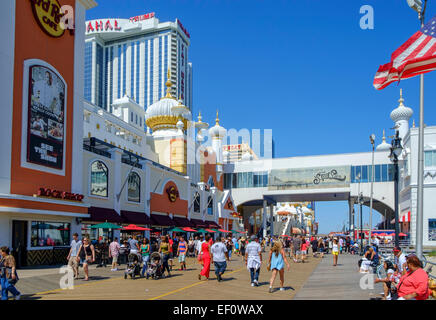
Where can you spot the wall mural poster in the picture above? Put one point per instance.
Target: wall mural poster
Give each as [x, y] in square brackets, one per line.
[432, 229]
[309, 178]
[45, 140]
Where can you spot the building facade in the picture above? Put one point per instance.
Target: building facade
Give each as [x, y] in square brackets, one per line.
[132, 56]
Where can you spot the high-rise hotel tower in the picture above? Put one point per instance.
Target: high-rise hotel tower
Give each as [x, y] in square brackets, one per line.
[132, 56]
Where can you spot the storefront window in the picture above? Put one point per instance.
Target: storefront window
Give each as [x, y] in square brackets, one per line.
[134, 188]
[197, 202]
[48, 234]
[99, 179]
[210, 205]
[96, 234]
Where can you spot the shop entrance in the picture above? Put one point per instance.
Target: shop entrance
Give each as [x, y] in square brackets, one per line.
[19, 242]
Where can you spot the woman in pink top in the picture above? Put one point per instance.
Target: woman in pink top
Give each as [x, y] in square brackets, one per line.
[414, 284]
[303, 250]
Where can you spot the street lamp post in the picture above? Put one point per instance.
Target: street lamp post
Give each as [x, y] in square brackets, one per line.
[372, 140]
[396, 149]
[417, 6]
[361, 221]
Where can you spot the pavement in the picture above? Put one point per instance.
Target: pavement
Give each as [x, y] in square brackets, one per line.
[44, 284]
[341, 282]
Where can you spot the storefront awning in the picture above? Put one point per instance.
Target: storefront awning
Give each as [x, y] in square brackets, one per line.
[212, 224]
[182, 222]
[133, 217]
[200, 223]
[159, 220]
[99, 214]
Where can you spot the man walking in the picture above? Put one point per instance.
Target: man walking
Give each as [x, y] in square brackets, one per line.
[114, 252]
[297, 247]
[219, 254]
[253, 260]
[181, 253]
[72, 255]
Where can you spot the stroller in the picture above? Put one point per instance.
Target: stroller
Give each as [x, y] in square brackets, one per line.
[133, 265]
[154, 269]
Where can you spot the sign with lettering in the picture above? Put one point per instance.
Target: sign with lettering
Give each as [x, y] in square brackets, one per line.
[46, 192]
[46, 110]
[142, 17]
[309, 178]
[183, 28]
[109, 25]
[48, 15]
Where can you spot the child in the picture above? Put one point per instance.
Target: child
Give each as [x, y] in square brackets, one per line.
[335, 252]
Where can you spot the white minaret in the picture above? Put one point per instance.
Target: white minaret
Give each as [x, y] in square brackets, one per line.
[217, 133]
[400, 116]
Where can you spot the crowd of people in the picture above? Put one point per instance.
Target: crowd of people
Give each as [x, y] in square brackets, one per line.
[405, 277]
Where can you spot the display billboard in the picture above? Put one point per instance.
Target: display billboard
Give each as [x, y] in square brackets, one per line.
[45, 138]
[309, 178]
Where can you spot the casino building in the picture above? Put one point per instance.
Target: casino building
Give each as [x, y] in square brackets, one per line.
[132, 56]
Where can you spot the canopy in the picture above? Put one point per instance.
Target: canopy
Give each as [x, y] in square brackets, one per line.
[223, 231]
[105, 225]
[189, 229]
[176, 229]
[382, 234]
[210, 230]
[234, 231]
[133, 227]
[202, 231]
[402, 234]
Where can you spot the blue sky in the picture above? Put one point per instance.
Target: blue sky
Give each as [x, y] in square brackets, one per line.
[302, 68]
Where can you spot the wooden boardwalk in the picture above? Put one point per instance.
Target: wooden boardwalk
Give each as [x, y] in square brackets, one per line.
[337, 283]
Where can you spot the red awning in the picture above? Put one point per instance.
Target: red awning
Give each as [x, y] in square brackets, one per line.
[405, 217]
[159, 220]
[132, 227]
[182, 222]
[189, 229]
[211, 231]
[199, 223]
[212, 224]
[133, 217]
[225, 231]
[99, 214]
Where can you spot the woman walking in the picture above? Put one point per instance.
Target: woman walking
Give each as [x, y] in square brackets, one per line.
[321, 247]
[205, 249]
[253, 260]
[145, 253]
[276, 261]
[86, 255]
[164, 249]
[335, 252]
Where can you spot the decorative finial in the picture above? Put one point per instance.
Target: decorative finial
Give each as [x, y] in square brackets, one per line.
[384, 136]
[217, 120]
[401, 98]
[413, 125]
[199, 116]
[169, 84]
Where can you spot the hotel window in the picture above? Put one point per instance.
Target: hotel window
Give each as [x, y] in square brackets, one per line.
[209, 205]
[49, 234]
[99, 179]
[210, 182]
[119, 72]
[124, 69]
[88, 71]
[430, 158]
[132, 69]
[384, 172]
[131, 116]
[136, 119]
[197, 202]
[134, 188]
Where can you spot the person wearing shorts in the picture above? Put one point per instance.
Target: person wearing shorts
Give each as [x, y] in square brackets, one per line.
[303, 250]
[86, 255]
[335, 252]
[72, 255]
[181, 252]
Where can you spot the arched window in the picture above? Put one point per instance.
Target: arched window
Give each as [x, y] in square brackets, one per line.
[99, 179]
[210, 182]
[210, 205]
[134, 187]
[197, 202]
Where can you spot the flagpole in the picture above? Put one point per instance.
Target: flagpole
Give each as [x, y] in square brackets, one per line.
[420, 201]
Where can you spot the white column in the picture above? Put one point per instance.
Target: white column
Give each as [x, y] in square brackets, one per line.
[94, 73]
[264, 218]
[271, 219]
[128, 59]
[142, 98]
[114, 78]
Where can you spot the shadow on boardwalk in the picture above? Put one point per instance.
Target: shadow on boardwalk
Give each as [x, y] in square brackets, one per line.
[337, 283]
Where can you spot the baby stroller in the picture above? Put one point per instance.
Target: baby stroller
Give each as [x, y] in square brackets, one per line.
[191, 250]
[155, 266]
[133, 265]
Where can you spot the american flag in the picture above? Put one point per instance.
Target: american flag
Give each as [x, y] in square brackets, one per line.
[416, 56]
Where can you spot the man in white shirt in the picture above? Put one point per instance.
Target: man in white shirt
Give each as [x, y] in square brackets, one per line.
[253, 260]
[72, 255]
[400, 261]
[219, 255]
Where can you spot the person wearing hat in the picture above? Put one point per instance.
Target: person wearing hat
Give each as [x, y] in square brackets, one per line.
[400, 261]
[253, 259]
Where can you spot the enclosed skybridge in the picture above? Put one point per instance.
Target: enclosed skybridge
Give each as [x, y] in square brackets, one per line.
[336, 177]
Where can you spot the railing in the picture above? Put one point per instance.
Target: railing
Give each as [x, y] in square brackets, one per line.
[430, 268]
[96, 151]
[131, 163]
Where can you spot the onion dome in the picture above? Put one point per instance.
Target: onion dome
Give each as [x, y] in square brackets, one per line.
[201, 126]
[160, 115]
[402, 112]
[384, 146]
[217, 131]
